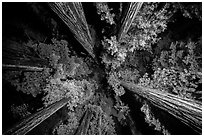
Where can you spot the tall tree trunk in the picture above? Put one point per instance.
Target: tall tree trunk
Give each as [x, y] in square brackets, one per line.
[126, 22]
[34, 120]
[187, 111]
[21, 67]
[83, 128]
[72, 14]
[16, 53]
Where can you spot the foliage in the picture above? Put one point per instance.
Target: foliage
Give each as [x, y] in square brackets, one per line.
[101, 123]
[33, 83]
[105, 12]
[113, 48]
[152, 121]
[138, 61]
[189, 10]
[123, 110]
[77, 91]
[68, 127]
[176, 71]
[175, 67]
[62, 63]
[115, 84]
[19, 112]
[56, 52]
[12, 77]
[180, 56]
[129, 75]
[57, 82]
[122, 74]
[28, 82]
[62, 58]
[63, 83]
[82, 69]
[69, 80]
[110, 62]
[148, 23]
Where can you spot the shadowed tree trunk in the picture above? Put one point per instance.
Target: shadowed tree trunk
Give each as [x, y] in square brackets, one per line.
[19, 56]
[83, 128]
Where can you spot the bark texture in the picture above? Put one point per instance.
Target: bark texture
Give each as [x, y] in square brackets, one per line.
[83, 128]
[126, 22]
[72, 14]
[16, 53]
[34, 120]
[187, 111]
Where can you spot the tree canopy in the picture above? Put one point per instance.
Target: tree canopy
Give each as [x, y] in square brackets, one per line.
[121, 68]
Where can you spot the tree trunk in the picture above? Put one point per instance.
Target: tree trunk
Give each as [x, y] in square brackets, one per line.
[21, 67]
[72, 14]
[187, 111]
[83, 128]
[126, 22]
[16, 53]
[34, 120]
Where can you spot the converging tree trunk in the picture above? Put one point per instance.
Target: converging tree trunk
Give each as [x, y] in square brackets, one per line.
[24, 58]
[21, 68]
[127, 20]
[72, 14]
[187, 111]
[34, 120]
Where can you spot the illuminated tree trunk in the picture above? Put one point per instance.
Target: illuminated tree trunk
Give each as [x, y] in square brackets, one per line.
[34, 120]
[187, 111]
[21, 67]
[127, 20]
[72, 14]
